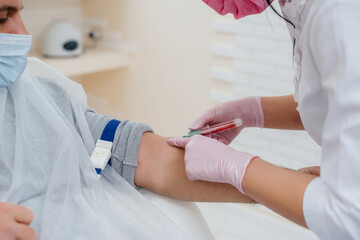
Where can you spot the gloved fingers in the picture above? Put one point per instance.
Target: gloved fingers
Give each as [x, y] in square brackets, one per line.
[192, 177]
[178, 142]
[221, 140]
[227, 136]
[203, 120]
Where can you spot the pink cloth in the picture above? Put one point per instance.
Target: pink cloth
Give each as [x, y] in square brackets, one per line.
[239, 8]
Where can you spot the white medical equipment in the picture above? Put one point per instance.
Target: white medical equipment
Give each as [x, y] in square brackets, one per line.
[101, 155]
[102, 152]
[62, 39]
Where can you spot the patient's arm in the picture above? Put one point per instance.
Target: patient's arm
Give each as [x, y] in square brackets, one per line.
[161, 169]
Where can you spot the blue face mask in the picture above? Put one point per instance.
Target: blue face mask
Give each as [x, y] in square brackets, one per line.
[14, 51]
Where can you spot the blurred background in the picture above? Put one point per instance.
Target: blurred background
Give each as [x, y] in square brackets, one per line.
[165, 62]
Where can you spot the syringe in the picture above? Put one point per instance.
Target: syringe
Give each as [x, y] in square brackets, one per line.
[216, 128]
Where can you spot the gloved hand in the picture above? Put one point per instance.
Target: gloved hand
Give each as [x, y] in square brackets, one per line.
[248, 109]
[209, 160]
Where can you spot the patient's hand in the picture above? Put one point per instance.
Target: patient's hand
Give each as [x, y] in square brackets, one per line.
[161, 169]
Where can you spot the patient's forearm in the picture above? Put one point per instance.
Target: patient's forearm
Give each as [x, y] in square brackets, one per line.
[161, 169]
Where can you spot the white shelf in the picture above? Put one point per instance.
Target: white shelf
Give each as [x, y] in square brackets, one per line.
[91, 61]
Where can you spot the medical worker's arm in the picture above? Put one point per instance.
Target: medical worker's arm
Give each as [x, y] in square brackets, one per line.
[279, 189]
[161, 169]
[280, 113]
[259, 112]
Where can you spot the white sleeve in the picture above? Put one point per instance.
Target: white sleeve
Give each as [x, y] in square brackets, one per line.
[332, 202]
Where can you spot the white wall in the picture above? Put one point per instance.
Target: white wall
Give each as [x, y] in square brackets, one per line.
[167, 84]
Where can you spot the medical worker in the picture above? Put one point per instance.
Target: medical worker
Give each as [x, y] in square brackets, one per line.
[326, 103]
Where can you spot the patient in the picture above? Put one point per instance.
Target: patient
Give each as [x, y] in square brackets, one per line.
[47, 133]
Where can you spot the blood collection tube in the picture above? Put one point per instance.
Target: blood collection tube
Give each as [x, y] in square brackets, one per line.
[216, 128]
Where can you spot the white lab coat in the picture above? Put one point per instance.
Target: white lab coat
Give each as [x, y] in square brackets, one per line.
[327, 83]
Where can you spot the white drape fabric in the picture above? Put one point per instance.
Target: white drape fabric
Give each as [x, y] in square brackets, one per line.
[45, 165]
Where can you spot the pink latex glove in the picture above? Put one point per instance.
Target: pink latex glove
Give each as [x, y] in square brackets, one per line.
[248, 109]
[239, 8]
[209, 160]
